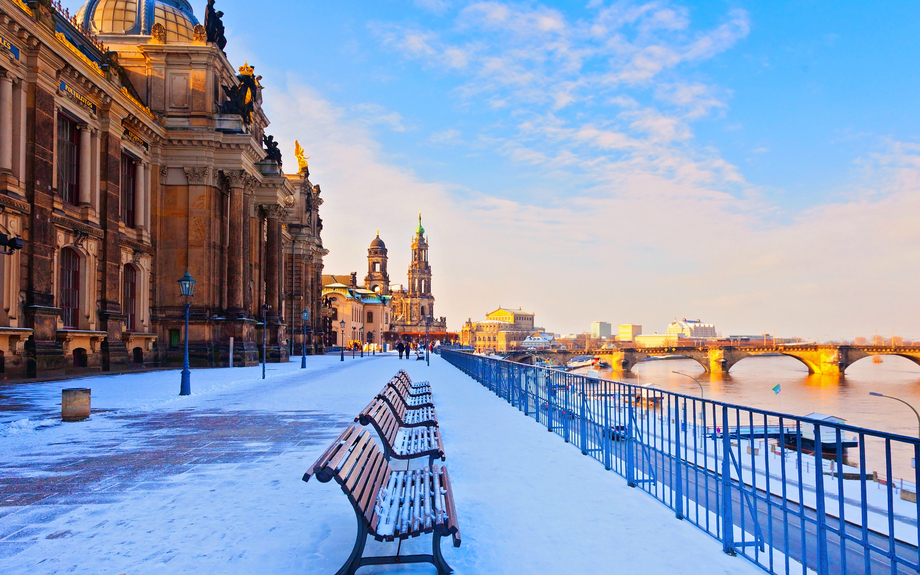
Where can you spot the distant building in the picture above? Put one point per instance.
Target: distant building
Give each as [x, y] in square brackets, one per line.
[600, 329]
[540, 340]
[503, 330]
[629, 331]
[364, 311]
[656, 340]
[692, 329]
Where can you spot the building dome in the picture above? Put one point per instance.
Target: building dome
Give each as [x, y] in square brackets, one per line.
[137, 17]
[378, 243]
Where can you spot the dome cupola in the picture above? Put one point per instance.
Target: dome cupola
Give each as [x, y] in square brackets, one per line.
[378, 243]
[137, 17]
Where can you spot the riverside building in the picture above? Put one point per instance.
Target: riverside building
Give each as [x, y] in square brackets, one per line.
[131, 150]
[502, 331]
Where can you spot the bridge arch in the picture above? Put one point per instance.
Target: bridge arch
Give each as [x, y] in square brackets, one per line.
[915, 359]
[704, 363]
[812, 368]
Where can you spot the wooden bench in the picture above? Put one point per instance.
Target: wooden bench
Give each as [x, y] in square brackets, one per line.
[403, 391]
[401, 442]
[393, 396]
[417, 387]
[389, 505]
[407, 416]
[407, 390]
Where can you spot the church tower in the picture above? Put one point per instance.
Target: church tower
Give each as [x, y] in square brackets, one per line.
[421, 302]
[377, 279]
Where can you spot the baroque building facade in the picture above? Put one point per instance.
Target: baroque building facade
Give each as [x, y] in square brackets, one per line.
[131, 150]
[411, 305]
[502, 331]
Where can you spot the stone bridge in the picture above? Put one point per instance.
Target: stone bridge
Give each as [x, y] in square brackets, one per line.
[819, 359]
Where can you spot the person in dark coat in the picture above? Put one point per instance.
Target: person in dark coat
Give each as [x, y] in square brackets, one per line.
[400, 347]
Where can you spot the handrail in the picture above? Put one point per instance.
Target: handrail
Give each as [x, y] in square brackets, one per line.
[786, 492]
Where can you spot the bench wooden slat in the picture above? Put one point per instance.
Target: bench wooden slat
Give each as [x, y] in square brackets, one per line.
[344, 469]
[338, 446]
[453, 526]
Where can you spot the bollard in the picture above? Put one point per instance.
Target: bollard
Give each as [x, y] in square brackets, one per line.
[75, 404]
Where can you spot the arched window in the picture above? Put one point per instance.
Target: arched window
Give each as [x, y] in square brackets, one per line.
[376, 266]
[70, 288]
[423, 311]
[129, 298]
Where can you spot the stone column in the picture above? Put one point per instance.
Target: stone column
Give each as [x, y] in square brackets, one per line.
[6, 123]
[273, 213]
[148, 205]
[139, 196]
[237, 181]
[86, 166]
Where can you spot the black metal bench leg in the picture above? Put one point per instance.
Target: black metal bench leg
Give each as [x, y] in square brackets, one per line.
[439, 562]
[354, 560]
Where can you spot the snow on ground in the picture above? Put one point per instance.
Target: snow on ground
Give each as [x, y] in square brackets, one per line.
[157, 483]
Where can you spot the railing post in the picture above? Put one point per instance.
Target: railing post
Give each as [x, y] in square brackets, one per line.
[566, 410]
[630, 441]
[678, 461]
[728, 523]
[584, 420]
[607, 434]
[820, 513]
[550, 397]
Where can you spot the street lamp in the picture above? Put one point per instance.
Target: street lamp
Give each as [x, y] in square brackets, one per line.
[304, 317]
[265, 308]
[187, 289]
[702, 393]
[342, 325]
[876, 394]
[362, 340]
[10, 244]
[427, 353]
[353, 342]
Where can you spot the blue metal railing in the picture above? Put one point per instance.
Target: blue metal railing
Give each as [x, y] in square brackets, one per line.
[791, 494]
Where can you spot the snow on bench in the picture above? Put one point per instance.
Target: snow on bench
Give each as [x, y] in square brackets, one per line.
[401, 442]
[389, 504]
[402, 379]
[408, 415]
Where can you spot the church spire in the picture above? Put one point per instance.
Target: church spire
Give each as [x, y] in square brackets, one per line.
[420, 231]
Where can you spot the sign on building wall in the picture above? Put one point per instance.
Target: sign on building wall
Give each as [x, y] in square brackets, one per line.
[9, 46]
[77, 96]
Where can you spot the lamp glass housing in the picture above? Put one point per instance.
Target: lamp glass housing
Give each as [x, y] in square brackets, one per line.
[187, 285]
[305, 315]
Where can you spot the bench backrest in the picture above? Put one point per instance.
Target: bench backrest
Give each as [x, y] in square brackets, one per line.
[396, 400]
[356, 463]
[383, 419]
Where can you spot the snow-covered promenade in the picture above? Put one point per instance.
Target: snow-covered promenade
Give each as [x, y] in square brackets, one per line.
[211, 483]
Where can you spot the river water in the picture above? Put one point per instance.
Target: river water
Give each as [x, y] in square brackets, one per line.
[751, 383]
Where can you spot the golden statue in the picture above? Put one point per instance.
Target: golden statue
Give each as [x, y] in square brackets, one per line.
[298, 153]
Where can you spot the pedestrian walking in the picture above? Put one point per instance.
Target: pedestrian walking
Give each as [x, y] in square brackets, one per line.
[400, 347]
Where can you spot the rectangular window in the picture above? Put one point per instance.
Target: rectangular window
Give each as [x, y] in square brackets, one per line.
[370, 317]
[128, 173]
[69, 300]
[68, 159]
[174, 338]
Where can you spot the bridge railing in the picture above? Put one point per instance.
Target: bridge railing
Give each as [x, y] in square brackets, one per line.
[791, 494]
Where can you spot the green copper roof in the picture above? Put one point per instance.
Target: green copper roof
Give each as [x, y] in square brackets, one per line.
[420, 230]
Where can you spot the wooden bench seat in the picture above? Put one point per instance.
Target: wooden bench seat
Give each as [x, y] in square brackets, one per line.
[409, 416]
[389, 504]
[403, 391]
[401, 442]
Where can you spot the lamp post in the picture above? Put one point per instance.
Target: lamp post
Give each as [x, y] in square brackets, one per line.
[876, 394]
[187, 289]
[361, 329]
[352, 342]
[342, 325]
[304, 317]
[702, 393]
[427, 353]
[265, 308]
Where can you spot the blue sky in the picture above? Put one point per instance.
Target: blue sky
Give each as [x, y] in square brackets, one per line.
[755, 164]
